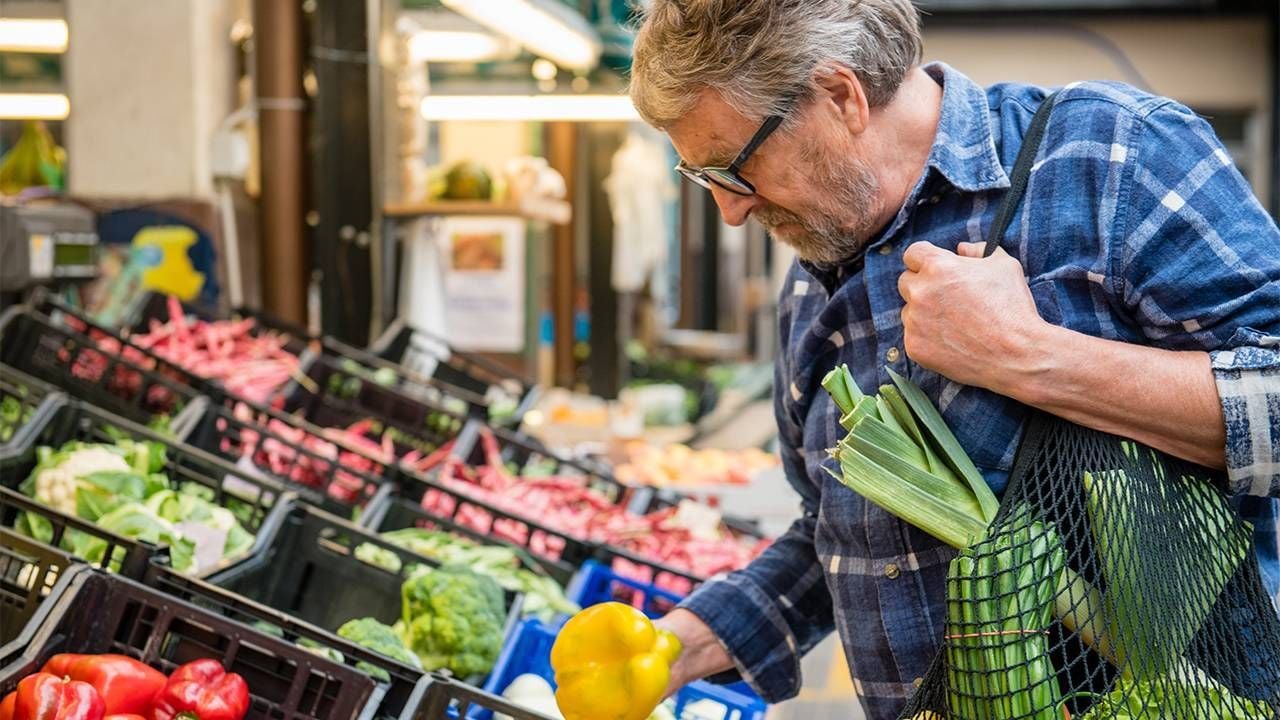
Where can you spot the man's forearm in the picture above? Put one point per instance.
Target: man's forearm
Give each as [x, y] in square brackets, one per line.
[1163, 398]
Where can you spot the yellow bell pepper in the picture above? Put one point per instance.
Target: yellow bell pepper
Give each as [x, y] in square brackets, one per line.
[611, 663]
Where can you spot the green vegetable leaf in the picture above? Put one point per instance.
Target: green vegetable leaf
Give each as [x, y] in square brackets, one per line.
[36, 527]
[951, 452]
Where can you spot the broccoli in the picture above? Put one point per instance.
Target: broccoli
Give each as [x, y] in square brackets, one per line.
[453, 619]
[378, 557]
[368, 632]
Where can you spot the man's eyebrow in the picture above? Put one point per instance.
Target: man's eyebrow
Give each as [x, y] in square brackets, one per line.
[719, 158]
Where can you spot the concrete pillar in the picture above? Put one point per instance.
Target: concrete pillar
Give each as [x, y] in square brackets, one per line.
[149, 82]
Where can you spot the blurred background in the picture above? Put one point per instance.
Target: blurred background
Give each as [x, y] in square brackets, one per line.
[470, 168]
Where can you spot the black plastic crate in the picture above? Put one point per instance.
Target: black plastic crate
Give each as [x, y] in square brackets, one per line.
[520, 453]
[660, 574]
[251, 498]
[332, 401]
[523, 454]
[262, 440]
[559, 553]
[94, 365]
[99, 613]
[430, 356]
[224, 424]
[28, 573]
[448, 698]
[310, 571]
[398, 695]
[392, 510]
[353, 365]
[155, 309]
[130, 557]
[22, 399]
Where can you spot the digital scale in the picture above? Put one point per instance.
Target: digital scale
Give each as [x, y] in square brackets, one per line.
[45, 244]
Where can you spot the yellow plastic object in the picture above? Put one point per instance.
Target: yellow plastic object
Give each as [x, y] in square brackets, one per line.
[611, 663]
[174, 275]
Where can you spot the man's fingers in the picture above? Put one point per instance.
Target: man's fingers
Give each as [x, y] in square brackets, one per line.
[920, 253]
[970, 249]
[905, 281]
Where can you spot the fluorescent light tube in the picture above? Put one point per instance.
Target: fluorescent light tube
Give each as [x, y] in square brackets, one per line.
[544, 108]
[34, 106]
[33, 35]
[547, 28]
[456, 46]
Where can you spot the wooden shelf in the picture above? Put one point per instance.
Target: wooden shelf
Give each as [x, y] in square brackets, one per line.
[553, 211]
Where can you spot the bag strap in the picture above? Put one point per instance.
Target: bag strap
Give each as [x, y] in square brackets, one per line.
[1021, 174]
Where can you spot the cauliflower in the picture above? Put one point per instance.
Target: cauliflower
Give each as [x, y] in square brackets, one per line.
[94, 458]
[56, 486]
[453, 619]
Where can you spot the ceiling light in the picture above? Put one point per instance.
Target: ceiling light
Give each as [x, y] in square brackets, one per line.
[544, 69]
[546, 27]
[529, 107]
[47, 35]
[456, 46]
[34, 106]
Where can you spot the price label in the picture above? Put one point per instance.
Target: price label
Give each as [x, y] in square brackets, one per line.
[41, 256]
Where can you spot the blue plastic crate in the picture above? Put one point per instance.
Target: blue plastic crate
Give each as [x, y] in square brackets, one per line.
[595, 583]
[528, 650]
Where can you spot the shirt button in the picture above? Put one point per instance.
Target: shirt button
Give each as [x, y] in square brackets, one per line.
[886, 248]
[935, 199]
[892, 355]
[891, 571]
[917, 682]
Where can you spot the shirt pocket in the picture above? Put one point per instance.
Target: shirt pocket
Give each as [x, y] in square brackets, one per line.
[1046, 294]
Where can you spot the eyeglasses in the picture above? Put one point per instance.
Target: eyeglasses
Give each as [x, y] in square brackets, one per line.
[728, 177]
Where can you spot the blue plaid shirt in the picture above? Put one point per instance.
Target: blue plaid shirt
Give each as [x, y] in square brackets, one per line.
[1136, 227]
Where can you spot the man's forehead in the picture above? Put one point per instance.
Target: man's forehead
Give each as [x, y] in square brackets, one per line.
[711, 133]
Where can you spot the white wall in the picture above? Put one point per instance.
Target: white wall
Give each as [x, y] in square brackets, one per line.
[149, 82]
[1208, 64]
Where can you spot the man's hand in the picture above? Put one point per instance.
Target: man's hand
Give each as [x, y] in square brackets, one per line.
[702, 655]
[970, 318]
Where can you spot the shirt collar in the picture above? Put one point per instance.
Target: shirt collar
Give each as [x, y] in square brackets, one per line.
[963, 152]
[964, 149]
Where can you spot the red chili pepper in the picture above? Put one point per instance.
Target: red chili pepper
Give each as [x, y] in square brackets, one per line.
[127, 686]
[43, 696]
[125, 716]
[205, 689]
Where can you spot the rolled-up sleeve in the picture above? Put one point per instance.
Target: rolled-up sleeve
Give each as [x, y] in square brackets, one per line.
[1198, 266]
[770, 613]
[1248, 378]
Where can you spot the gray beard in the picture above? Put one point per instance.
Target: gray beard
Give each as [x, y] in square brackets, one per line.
[826, 239]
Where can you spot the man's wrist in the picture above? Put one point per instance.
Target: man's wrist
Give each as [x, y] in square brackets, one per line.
[702, 653]
[1028, 372]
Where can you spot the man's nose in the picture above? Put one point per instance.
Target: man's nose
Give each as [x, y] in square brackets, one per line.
[734, 208]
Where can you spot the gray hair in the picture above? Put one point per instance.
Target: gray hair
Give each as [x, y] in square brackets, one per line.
[761, 54]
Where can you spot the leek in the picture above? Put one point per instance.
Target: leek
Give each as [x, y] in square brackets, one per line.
[943, 493]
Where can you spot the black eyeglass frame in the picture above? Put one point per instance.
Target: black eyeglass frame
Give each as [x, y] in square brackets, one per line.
[722, 176]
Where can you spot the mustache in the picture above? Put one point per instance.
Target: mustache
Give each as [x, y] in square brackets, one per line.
[772, 216]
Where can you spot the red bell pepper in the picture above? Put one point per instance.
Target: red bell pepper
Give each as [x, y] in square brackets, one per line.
[7, 706]
[204, 689]
[127, 686]
[124, 716]
[42, 696]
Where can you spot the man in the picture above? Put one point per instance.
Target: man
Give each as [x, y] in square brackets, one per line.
[1137, 292]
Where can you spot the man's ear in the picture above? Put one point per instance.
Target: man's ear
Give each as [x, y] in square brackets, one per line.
[840, 91]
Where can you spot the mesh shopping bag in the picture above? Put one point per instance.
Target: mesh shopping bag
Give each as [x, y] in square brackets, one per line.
[1114, 582]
